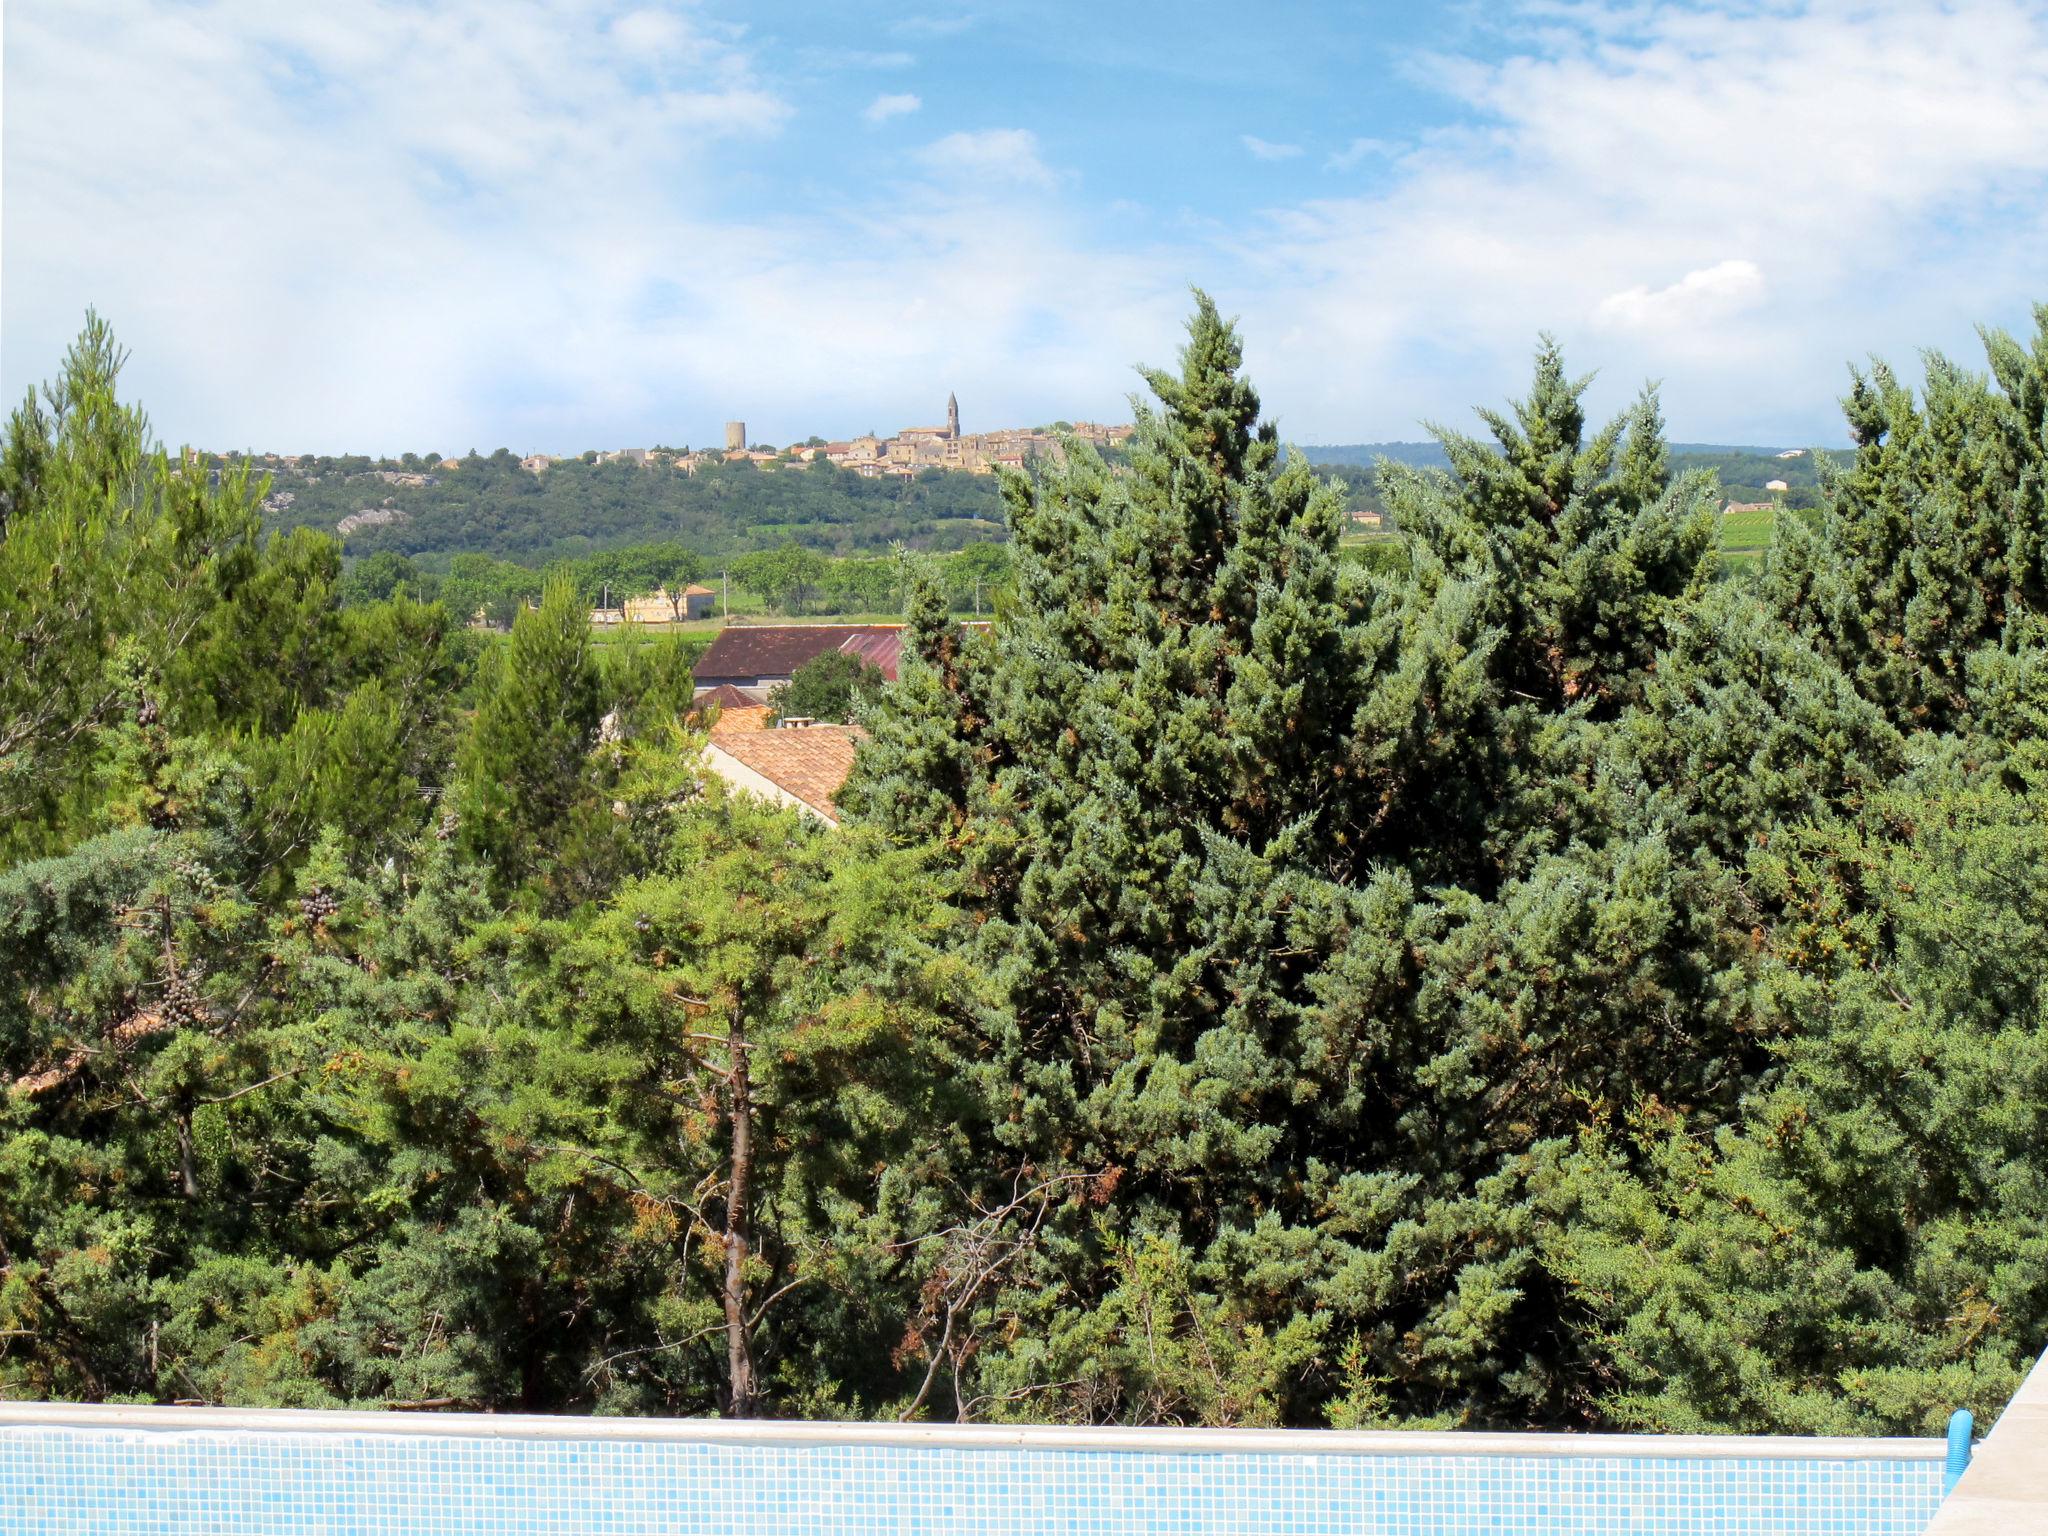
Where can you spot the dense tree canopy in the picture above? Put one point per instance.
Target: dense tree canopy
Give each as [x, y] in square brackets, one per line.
[1383, 934]
[785, 581]
[1527, 978]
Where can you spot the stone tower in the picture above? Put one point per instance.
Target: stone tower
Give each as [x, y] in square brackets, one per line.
[953, 417]
[735, 436]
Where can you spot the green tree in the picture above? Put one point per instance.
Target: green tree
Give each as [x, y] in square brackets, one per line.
[384, 575]
[136, 1070]
[1148, 775]
[786, 577]
[828, 687]
[978, 576]
[269, 640]
[637, 572]
[1518, 980]
[1865, 1249]
[1850, 1251]
[1194, 779]
[1581, 551]
[524, 767]
[752, 1062]
[1931, 543]
[855, 585]
[495, 589]
[107, 555]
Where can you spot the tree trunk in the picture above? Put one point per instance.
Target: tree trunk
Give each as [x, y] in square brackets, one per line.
[739, 1352]
[188, 1175]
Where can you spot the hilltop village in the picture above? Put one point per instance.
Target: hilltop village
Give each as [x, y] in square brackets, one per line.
[912, 449]
[909, 451]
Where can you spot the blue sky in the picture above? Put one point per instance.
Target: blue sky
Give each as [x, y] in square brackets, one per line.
[559, 224]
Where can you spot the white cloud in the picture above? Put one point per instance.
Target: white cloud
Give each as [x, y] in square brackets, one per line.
[1708, 296]
[891, 104]
[989, 155]
[318, 227]
[650, 31]
[1885, 163]
[1264, 150]
[1357, 151]
[499, 223]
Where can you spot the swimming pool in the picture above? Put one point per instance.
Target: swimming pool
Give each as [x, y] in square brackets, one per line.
[103, 1471]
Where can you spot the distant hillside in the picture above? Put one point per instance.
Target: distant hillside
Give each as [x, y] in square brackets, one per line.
[1428, 455]
[1744, 473]
[489, 505]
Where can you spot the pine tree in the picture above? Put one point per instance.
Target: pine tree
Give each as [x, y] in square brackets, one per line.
[524, 765]
[1519, 980]
[1160, 777]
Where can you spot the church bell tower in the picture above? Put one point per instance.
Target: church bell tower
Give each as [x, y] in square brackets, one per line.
[953, 417]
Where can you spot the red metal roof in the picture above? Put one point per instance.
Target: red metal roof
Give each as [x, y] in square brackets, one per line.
[876, 650]
[743, 653]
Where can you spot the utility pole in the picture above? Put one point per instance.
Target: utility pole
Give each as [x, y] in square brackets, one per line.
[724, 597]
[977, 597]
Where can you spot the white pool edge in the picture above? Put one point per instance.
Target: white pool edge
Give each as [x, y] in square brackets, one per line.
[2005, 1490]
[1032, 1437]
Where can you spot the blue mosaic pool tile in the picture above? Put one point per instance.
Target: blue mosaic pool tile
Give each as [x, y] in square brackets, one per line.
[106, 1482]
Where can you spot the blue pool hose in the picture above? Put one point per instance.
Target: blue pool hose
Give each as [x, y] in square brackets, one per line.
[1960, 1426]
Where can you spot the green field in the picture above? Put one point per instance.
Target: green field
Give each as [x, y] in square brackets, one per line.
[1744, 536]
[610, 634]
[1746, 531]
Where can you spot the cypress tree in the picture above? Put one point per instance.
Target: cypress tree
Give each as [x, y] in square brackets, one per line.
[1148, 773]
[1194, 779]
[1933, 542]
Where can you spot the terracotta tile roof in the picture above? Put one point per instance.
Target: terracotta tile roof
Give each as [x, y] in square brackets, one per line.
[807, 762]
[730, 709]
[694, 590]
[745, 652]
[725, 696]
[740, 718]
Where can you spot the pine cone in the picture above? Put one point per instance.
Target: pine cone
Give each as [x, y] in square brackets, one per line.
[182, 1003]
[318, 904]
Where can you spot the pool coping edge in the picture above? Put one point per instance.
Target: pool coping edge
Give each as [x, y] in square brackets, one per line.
[1029, 1437]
